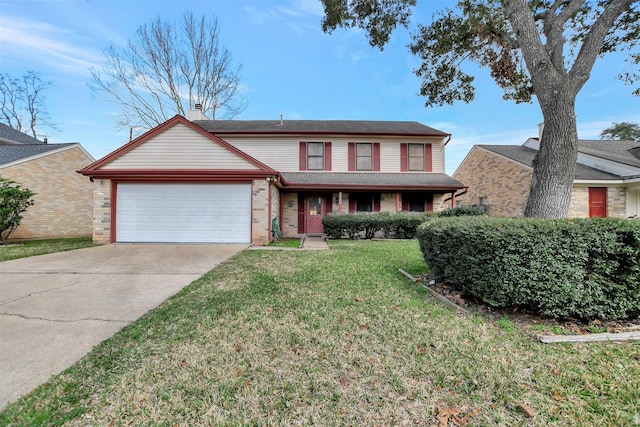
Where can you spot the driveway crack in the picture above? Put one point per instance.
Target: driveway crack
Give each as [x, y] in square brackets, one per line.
[82, 319]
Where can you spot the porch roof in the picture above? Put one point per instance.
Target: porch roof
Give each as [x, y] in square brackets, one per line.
[369, 181]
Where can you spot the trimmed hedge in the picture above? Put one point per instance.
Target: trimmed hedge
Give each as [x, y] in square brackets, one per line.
[587, 268]
[400, 225]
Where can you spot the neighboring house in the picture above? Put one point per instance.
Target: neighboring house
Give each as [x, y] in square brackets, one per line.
[63, 200]
[229, 180]
[607, 182]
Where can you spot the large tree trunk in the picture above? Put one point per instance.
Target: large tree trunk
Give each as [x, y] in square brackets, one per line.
[555, 164]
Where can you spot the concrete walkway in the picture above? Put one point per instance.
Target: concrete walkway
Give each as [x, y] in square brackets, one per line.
[315, 243]
[55, 308]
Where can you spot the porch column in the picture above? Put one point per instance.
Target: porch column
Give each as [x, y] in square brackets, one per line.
[340, 202]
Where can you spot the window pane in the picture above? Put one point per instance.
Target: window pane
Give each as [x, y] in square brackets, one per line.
[315, 206]
[363, 149]
[416, 150]
[416, 164]
[363, 164]
[315, 163]
[364, 203]
[315, 148]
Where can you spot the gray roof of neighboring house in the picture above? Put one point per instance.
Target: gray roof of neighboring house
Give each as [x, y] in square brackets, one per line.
[11, 136]
[12, 153]
[525, 155]
[344, 127]
[625, 152]
[371, 180]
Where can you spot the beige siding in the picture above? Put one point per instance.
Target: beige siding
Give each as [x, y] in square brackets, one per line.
[180, 148]
[283, 153]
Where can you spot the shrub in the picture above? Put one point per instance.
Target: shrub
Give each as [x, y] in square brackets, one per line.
[587, 268]
[14, 201]
[401, 225]
[462, 211]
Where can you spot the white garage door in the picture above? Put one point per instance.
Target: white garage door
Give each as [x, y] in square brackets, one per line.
[183, 213]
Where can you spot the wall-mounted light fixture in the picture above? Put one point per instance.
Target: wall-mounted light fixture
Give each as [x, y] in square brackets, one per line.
[271, 179]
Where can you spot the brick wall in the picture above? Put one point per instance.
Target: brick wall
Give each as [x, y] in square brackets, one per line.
[504, 184]
[260, 219]
[102, 211]
[289, 220]
[63, 200]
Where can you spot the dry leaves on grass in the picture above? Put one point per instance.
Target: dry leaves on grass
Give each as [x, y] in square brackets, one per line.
[456, 415]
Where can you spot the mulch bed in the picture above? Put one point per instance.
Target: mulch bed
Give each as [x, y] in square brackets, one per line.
[526, 318]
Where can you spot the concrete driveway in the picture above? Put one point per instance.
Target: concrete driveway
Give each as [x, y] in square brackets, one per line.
[55, 308]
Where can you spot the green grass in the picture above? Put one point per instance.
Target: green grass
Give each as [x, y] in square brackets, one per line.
[41, 247]
[285, 242]
[334, 337]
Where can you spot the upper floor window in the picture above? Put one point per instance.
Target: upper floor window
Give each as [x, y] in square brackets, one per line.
[364, 155]
[416, 157]
[315, 156]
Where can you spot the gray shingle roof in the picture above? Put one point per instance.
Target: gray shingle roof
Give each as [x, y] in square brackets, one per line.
[9, 135]
[525, 155]
[372, 181]
[617, 151]
[12, 153]
[343, 127]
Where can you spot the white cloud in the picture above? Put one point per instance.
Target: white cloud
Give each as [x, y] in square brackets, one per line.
[47, 45]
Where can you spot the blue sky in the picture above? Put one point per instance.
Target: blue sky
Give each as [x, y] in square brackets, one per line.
[289, 67]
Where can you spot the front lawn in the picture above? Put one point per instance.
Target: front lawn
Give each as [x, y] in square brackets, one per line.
[334, 337]
[41, 247]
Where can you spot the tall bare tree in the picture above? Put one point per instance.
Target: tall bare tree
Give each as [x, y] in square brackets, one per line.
[167, 68]
[545, 48]
[22, 103]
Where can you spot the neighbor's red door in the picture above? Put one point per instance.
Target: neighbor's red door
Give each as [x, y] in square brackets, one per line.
[314, 214]
[598, 202]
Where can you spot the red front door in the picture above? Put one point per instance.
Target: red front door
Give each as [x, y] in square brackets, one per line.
[598, 202]
[314, 212]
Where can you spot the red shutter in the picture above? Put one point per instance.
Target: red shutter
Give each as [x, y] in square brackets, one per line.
[404, 157]
[428, 158]
[405, 203]
[327, 156]
[376, 202]
[376, 156]
[328, 203]
[301, 211]
[429, 204]
[352, 156]
[352, 203]
[303, 156]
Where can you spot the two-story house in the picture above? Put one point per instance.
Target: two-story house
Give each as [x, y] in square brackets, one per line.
[201, 180]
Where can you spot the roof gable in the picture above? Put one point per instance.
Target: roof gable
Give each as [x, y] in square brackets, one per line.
[12, 154]
[176, 145]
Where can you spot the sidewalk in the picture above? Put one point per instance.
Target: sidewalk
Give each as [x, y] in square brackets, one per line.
[315, 243]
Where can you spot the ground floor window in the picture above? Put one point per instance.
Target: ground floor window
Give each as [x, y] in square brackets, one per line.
[417, 202]
[364, 202]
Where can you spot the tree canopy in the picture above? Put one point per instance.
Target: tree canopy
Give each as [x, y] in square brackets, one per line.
[536, 48]
[167, 68]
[623, 130]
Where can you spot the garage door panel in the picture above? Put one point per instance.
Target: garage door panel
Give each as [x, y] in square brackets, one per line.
[183, 213]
